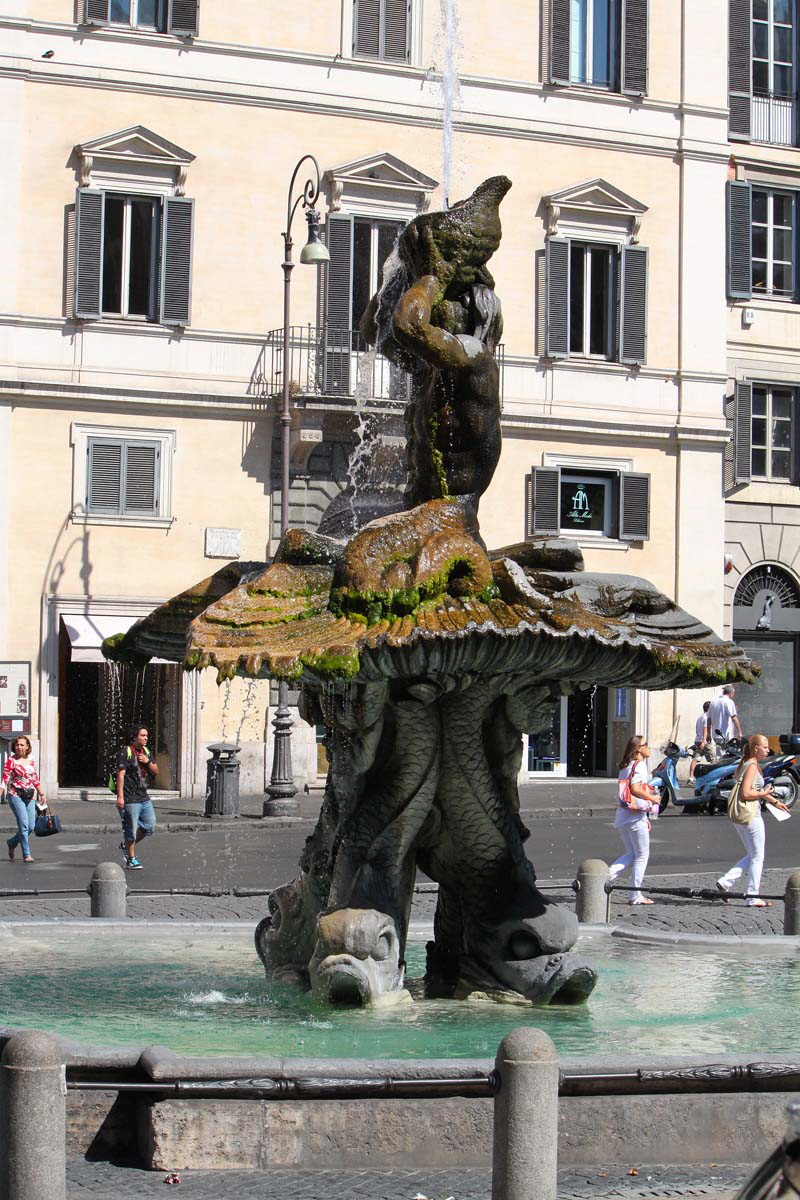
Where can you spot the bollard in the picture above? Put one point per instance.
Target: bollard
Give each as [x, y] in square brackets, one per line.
[525, 1140]
[591, 899]
[791, 905]
[33, 1119]
[108, 891]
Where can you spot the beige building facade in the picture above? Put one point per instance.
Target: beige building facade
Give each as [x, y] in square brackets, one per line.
[149, 146]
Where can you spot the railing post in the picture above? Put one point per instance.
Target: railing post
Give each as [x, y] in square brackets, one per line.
[591, 897]
[525, 1143]
[33, 1119]
[791, 905]
[108, 892]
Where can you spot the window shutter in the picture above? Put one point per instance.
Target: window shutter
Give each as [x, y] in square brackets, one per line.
[338, 304]
[739, 212]
[740, 70]
[546, 489]
[96, 12]
[182, 18]
[634, 507]
[141, 478]
[367, 28]
[742, 432]
[104, 490]
[176, 261]
[634, 47]
[557, 317]
[559, 41]
[88, 253]
[396, 24]
[633, 305]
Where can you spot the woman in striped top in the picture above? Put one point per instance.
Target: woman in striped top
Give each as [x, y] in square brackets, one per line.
[20, 781]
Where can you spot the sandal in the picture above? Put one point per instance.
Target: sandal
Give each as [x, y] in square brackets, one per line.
[641, 902]
[29, 859]
[759, 904]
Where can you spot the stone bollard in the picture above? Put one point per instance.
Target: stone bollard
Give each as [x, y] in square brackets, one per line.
[791, 905]
[33, 1119]
[108, 891]
[525, 1144]
[591, 899]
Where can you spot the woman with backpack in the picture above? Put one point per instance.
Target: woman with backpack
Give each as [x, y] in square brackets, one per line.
[21, 780]
[745, 805]
[637, 804]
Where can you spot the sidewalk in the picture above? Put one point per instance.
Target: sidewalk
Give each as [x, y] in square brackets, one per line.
[106, 1182]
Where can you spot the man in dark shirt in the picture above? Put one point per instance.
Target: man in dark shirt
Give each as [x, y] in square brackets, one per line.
[136, 769]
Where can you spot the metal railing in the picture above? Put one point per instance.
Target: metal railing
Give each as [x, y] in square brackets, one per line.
[774, 119]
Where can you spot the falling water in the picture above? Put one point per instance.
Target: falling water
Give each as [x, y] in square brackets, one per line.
[248, 709]
[225, 708]
[451, 93]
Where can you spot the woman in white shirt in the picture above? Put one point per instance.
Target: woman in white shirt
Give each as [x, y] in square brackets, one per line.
[637, 803]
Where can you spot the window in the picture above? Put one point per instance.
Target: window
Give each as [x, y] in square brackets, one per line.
[596, 300]
[133, 256]
[773, 242]
[588, 504]
[771, 433]
[381, 29]
[762, 71]
[372, 244]
[594, 42]
[600, 43]
[122, 475]
[178, 17]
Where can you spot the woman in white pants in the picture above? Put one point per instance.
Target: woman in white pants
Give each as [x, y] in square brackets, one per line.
[752, 834]
[637, 803]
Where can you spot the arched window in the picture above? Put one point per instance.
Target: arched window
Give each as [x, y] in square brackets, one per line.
[767, 600]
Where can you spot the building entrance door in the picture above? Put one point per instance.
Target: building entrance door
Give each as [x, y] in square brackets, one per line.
[587, 732]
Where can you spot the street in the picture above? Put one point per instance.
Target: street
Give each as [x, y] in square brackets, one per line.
[249, 854]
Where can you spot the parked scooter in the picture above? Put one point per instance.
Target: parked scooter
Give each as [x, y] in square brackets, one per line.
[664, 779]
[713, 781]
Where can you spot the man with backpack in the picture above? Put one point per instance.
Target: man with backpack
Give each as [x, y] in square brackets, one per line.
[136, 769]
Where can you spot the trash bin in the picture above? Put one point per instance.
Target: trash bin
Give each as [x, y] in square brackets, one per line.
[222, 781]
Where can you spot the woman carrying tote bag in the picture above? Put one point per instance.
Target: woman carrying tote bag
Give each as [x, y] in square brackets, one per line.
[744, 813]
[637, 803]
[21, 780]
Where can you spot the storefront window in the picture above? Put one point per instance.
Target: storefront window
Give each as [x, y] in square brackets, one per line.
[585, 504]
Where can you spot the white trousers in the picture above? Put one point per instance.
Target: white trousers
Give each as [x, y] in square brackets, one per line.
[753, 836]
[636, 840]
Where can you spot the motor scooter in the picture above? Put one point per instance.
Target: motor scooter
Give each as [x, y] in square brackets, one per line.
[713, 781]
[664, 779]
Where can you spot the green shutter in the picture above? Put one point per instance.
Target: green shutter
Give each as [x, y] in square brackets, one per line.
[182, 18]
[546, 490]
[396, 25]
[739, 214]
[141, 479]
[557, 298]
[89, 207]
[559, 41]
[633, 305]
[338, 304]
[740, 69]
[743, 433]
[175, 284]
[104, 477]
[634, 47]
[634, 507]
[96, 12]
[367, 28]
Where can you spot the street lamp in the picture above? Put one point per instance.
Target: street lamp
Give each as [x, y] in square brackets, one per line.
[281, 792]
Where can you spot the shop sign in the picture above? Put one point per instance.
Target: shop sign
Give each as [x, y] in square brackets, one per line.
[15, 697]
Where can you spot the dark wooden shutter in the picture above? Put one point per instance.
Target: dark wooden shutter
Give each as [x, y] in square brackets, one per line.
[634, 47]
[740, 69]
[182, 18]
[176, 261]
[743, 433]
[88, 253]
[367, 28]
[559, 41]
[338, 305]
[557, 297]
[634, 507]
[104, 477]
[96, 12]
[546, 490]
[141, 478]
[739, 215]
[395, 29]
[633, 305]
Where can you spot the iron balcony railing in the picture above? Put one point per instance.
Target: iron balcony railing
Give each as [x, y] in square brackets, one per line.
[775, 119]
[332, 363]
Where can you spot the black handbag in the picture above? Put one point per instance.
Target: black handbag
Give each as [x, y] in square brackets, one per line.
[25, 794]
[47, 824]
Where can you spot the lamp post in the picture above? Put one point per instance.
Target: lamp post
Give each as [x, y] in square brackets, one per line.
[281, 792]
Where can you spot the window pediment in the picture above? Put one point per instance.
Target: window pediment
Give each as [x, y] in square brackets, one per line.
[136, 150]
[593, 207]
[378, 181]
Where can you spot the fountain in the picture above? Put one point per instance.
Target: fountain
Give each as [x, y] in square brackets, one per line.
[427, 656]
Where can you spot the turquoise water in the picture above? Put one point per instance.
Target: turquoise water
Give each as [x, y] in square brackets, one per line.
[204, 992]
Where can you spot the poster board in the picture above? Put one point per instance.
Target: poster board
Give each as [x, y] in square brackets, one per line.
[15, 697]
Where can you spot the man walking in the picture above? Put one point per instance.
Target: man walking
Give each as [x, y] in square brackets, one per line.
[136, 769]
[722, 716]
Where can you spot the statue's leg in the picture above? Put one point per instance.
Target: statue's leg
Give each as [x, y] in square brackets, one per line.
[511, 939]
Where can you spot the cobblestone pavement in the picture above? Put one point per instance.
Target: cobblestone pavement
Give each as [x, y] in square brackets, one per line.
[101, 1180]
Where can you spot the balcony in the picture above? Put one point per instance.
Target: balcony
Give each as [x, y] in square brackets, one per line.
[333, 365]
[774, 119]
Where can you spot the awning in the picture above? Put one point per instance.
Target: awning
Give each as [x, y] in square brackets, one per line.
[87, 633]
